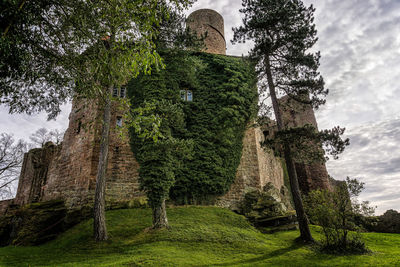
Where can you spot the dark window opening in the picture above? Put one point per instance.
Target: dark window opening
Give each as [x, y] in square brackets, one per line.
[119, 92]
[119, 121]
[115, 92]
[122, 92]
[116, 149]
[78, 130]
[266, 134]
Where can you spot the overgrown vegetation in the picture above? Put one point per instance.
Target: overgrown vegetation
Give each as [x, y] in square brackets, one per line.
[224, 101]
[199, 236]
[160, 156]
[336, 212]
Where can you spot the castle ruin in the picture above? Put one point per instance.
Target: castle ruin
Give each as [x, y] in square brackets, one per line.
[68, 171]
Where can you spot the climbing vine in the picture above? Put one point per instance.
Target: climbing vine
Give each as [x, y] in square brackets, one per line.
[224, 102]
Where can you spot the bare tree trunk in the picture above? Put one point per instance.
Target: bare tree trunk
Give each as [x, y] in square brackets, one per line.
[160, 219]
[99, 224]
[305, 233]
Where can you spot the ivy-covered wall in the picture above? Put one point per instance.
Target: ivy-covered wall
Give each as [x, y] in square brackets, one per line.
[224, 102]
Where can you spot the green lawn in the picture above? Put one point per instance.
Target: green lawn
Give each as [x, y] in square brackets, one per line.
[200, 236]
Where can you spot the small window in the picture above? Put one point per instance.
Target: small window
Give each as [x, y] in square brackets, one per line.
[78, 130]
[186, 95]
[122, 92]
[115, 92]
[266, 134]
[119, 121]
[189, 95]
[116, 149]
[183, 95]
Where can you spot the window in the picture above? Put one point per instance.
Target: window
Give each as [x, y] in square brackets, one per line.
[78, 130]
[189, 96]
[183, 95]
[119, 121]
[121, 92]
[186, 95]
[115, 92]
[266, 134]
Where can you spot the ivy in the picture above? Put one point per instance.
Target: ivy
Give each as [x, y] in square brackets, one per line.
[224, 102]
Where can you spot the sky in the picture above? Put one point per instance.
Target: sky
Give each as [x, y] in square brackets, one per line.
[359, 42]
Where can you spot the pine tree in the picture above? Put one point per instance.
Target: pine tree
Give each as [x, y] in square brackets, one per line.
[283, 31]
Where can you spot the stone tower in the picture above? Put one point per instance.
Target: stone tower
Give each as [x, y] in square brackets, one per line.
[209, 23]
[68, 171]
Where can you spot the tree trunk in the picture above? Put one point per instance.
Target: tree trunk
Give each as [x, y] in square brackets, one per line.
[305, 233]
[99, 224]
[160, 219]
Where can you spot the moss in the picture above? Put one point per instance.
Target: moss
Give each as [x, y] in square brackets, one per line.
[38, 223]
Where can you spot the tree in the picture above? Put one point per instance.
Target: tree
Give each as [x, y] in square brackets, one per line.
[31, 76]
[337, 212]
[11, 157]
[159, 156]
[42, 136]
[283, 31]
[93, 47]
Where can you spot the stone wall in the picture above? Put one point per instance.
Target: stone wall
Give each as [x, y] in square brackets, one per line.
[69, 172]
[311, 176]
[4, 204]
[34, 172]
[257, 168]
[209, 23]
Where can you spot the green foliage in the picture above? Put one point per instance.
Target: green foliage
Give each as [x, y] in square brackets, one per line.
[282, 32]
[335, 212]
[205, 236]
[224, 101]
[57, 49]
[389, 222]
[161, 155]
[304, 143]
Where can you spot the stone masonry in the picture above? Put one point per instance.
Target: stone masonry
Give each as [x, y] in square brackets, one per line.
[209, 23]
[68, 171]
[311, 176]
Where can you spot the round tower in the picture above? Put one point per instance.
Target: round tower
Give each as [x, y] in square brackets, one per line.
[210, 23]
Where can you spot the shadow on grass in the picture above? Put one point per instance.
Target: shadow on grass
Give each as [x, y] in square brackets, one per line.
[295, 245]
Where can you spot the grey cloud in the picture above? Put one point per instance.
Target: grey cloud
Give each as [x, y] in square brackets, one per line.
[374, 158]
[360, 45]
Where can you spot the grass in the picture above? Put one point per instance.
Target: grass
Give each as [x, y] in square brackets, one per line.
[199, 236]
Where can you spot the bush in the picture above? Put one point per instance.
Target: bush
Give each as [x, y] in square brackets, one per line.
[389, 222]
[336, 212]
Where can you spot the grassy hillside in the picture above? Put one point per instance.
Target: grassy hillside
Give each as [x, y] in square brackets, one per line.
[200, 236]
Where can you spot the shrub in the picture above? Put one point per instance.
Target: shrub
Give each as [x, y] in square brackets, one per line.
[336, 211]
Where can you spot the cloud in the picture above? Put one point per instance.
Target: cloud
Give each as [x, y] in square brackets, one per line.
[360, 45]
[373, 158]
[22, 125]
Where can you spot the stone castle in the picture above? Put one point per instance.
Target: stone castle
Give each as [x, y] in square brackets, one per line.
[68, 171]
